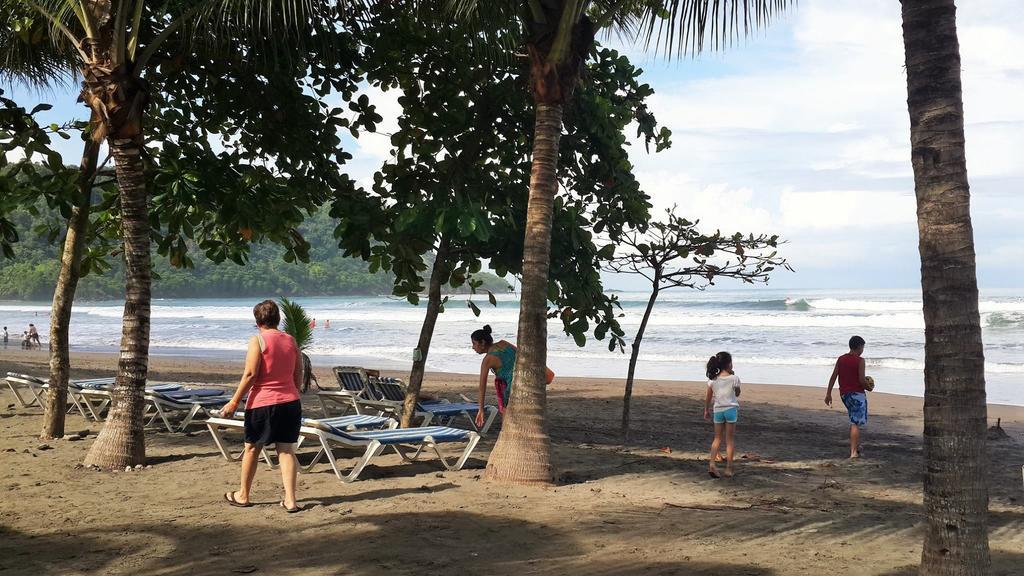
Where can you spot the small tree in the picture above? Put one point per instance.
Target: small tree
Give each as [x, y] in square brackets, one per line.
[675, 254]
[298, 325]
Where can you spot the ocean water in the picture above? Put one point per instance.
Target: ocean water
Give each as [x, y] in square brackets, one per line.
[775, 336]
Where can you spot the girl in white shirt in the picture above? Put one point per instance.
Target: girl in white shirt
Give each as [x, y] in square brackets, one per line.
[721, 406]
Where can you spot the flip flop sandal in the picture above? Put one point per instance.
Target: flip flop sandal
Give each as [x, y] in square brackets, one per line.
[290, 510]
[715, 475]
[230, 497]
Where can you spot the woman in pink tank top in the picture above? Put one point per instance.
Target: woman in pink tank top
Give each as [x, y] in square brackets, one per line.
[273, 411]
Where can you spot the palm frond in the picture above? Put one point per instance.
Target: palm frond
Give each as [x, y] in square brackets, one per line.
[268, 31]
[692, 26]
[70, 22]
[297, 323]
[28, 54]
[620, 17]
[493, 27]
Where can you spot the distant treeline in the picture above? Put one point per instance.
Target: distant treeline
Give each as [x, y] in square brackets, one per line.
[33, 272]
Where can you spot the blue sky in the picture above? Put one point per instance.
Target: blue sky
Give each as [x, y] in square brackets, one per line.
[802, 130]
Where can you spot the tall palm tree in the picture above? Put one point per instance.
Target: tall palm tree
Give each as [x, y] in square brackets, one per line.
[111, 44]
[955, 484]
[559, 37]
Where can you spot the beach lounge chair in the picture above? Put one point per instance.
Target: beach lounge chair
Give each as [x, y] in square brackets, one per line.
[352, 382]
[91, 400]
[190, 402]
[388, 396]
[37, 388]
[27, 389]
[88, 396]
[218, 423]
[376, 441]
[96, 395]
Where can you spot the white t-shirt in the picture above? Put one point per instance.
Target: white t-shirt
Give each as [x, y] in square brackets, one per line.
[725, 389]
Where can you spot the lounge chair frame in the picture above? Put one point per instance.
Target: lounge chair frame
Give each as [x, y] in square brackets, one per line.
[164, 406]
[217, 424]
[389, 397]
[32, 384]
[352, 383]
[374, 447]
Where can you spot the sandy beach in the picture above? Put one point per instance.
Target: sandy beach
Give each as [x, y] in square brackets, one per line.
[646, 506]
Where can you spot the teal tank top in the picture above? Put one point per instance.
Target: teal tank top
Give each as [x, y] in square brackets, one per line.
[507, 355]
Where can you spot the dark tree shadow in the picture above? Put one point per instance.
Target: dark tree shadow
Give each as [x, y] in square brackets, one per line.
[398, 543]
[379, 494]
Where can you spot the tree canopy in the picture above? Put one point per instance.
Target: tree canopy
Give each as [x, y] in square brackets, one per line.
[461, 164]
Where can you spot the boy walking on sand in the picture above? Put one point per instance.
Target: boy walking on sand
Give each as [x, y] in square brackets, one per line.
[850, 372]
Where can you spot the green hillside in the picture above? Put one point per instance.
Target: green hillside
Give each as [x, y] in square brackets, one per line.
[33, 273]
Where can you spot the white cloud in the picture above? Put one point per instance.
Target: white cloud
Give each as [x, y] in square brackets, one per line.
[805, 132]
[838, 209]
[1006, 256]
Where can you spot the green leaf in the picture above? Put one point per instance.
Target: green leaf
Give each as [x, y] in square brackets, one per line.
[467, 224]
[297, 323]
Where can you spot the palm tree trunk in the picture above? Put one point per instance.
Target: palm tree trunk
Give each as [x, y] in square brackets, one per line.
[633, 356]
[419, 365]
[121, 442]
[522, 454]
[955, 486]
[64, 295]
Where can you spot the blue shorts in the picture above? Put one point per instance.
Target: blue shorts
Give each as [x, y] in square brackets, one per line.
[729, 415]
[857, 407]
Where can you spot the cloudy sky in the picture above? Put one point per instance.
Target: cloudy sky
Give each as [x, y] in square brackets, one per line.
[802, 130]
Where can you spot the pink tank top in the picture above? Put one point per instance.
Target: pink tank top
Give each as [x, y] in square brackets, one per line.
[275, 379]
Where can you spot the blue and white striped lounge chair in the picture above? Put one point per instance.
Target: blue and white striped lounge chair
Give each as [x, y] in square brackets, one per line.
[217, 423]
[87, 396]
[352, 382]
[21, 383]
[96, 395]
[376, 441]
[388, 395]
[165, 404]
[39, 387]
[91, 399]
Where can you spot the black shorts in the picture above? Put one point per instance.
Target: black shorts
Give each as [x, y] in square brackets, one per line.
[277, 423]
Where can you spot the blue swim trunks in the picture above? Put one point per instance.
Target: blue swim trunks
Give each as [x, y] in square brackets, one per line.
[857, 407]
[729, 415]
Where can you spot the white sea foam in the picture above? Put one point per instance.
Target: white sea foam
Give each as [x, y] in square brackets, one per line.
[893, 315]
[985, 306]
[397, 353]
[775, 336]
